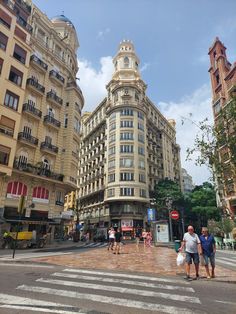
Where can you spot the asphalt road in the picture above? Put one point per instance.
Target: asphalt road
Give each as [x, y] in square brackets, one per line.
[31, 288]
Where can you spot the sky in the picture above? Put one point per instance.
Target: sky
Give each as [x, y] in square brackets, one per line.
[171, 39]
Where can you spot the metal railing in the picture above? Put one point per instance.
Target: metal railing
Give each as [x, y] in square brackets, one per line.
[32, 82]
[29, 108]
[53, 96]
[28, 137]
[56, 75]
[42, 64]
[49, 146]
[51, 120]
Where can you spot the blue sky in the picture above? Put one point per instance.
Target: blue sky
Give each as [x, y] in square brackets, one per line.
[171, 38]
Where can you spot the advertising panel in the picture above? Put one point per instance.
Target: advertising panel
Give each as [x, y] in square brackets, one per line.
[162, 232]
[151, 214]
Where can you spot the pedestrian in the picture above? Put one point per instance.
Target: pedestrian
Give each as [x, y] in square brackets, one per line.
[192, 246]
[144, 236]
[138, 235]
[118, 237]
[148, 239]
[208, 245]
[111, 235]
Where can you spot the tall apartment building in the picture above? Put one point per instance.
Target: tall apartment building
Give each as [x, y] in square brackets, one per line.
[127, 146]
[42, 162]
[223, 82]
[187, 180]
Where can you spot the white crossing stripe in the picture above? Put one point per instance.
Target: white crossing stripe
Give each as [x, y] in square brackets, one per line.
[225, 262]
[226, 302]
[226, 258]
[26, 265]
[144, 293]
[110, 300]
[125, 282]
[84, 271]
[21, 303]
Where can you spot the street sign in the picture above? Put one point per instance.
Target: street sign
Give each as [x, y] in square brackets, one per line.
[174, 214]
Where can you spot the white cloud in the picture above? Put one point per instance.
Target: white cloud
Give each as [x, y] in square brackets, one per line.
[102, 33]
[145, 66]
[93, 83]
[199, 106]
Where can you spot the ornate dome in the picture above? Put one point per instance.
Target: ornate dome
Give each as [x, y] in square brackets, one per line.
[62, 18]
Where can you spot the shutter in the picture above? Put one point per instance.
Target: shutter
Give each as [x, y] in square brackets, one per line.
[9, 123]
[19, 33]
[20, 51]
[4, 149]
[5, 17]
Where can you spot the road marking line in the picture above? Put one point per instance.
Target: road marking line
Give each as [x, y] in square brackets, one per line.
[225, 262]
[144, 293]
[111, 300]
[226, 258]
[125, 282]
[83, 271]
[226, 302]
[15, 302]
[26, 265]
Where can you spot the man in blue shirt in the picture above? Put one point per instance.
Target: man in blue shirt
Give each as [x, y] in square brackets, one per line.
[208, 251]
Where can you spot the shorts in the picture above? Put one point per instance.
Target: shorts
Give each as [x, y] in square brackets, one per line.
[192, 256]
[111, 240]
[209, 258]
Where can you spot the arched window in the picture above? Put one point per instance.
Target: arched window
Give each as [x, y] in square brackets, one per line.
[16, 189]
[40, 194]
[23, 158]
[126, 62]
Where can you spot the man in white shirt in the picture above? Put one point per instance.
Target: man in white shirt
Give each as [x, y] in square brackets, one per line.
[111, 234]
[192, 246]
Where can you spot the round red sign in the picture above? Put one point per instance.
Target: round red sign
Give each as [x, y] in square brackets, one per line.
[174, 214]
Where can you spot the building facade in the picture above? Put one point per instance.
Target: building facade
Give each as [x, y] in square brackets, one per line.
[44, 160]
[127, 146]
[187, 180]
[223, 82]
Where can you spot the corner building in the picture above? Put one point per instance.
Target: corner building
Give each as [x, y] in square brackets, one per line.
[45, 162]
[127, 146]
[223, 82]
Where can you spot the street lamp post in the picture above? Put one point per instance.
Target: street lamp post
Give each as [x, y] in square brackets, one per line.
[169, 202]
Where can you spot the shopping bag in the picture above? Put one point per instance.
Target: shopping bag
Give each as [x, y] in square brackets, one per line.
[180, 259]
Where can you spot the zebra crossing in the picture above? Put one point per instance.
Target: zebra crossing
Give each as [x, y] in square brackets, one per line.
[228, 259]
[127, 292]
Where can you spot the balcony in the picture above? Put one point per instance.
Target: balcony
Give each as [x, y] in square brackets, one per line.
[49, 147]
[32, 111]
[25, 6]
[24, 24]
[52, 97]
[37, 170]
[56, 77]
[35, 86]
[25, 137]
[52, 121]
[38, 63]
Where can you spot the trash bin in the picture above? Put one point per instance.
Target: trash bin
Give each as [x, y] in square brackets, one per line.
[177, 245]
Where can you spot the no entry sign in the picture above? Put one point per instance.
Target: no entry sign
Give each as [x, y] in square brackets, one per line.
[174, 214]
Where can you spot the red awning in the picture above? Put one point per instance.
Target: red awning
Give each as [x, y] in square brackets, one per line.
[127, 229]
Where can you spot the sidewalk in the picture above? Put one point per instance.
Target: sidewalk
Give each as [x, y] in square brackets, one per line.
[156, 260]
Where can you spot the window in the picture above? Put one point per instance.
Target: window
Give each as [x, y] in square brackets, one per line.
[115, 96]
[110, 192]
[76, 125]
[141, 138]
[217, 107]
[16, 188]
[126, 124]
[141, 150]
[23, 158]
[4, 155]
[111, 177]
[40, 194]
[127, 112]
[11, 100]
[112, 138]
[127, 192]
[127, 136]
[1, 64]
[112, 150]
[217, 79]
[126, 176]
[112, 115]
[19, 54]
[19, 33]
[142, 177]
[126, 62]
[140, 115]
[141, 164]
[27, 130]
[15, 76]
[5, 19]
[60, 198]
[3, 41]
[65, 120]
[7, 126]
[142, 193]
[126, 162]
[126, 148]
[111, 163]
[112, 126]
[140, 126]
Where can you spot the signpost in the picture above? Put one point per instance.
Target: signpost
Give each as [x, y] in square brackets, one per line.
[174, 214]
